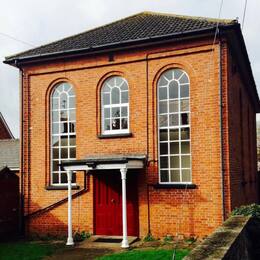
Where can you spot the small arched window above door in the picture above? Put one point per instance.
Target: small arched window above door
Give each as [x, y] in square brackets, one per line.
[115, 106]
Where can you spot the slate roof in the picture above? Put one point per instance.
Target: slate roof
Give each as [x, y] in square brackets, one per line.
[9, 153]
[139, 27]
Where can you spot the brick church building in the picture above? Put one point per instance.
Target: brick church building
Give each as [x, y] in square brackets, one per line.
[144, 125]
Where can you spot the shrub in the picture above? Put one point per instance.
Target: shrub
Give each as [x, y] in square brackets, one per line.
[149, 237]
[247, 210]
[168, 238]
[81, 236]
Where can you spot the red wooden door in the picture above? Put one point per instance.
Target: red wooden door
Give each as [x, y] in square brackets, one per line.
[108, 203]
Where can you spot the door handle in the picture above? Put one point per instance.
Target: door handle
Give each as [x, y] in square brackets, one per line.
[113, 201]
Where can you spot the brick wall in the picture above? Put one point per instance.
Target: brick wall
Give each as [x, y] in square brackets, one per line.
[184, 211]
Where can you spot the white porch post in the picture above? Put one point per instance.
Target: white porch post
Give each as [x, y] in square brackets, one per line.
[70, 238]
[124, 209]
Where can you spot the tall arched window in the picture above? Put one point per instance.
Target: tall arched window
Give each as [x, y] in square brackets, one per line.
[63, 130]
[115, 106]
[174, 127]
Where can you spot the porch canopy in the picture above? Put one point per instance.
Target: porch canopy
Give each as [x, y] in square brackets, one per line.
[103, 162]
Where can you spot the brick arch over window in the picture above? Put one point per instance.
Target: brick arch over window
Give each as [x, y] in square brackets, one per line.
[115, 105]
[62, 130]
[173, 100]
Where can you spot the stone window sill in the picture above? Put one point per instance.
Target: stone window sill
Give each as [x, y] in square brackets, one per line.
[103, 136]
[175, 186]
[65, 187]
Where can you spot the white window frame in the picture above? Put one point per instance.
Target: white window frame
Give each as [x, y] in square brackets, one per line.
[110, 106]
[59, 134]
[178, 127]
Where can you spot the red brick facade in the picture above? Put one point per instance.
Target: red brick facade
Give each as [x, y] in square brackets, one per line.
[161, 211]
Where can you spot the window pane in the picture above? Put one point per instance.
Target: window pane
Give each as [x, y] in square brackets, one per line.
[185, 147]
[185, 105]
[55, 153]
[55, 103]
[64, 141]
[106, 99]
[63, 128]
[174, 147]
[55, 128]
[64, 152]
[184, 91]
[174, 120]
[55, 177]
[124, 86]
[63, 101]
[56, 93]
[168, 74]
[162, 93]
[164, 162]
[64, 177]
[63, 115]
[73, 177]
[173, 106]
[163, 148]
[183, 79]
[115, 95]
[55, 116]
[185, 133]
[185, 161]
[164, 176]
[106, 88]
[124, 123]
[72, 102]
[72, 127]
[174, 134]
[186, 176]
[185, 119]
[55, 165]
[72, 115]
[115, 124]
[173, 89]
[164, 135]
[124, 97]
[163, 81]
[175, 161]
[72, 140]
[72, 152]
[107, 124]
[66, 86]
[177, 74]
[163, 120]
[107, 113]
[123, 111]
[175, 175]
[163, 107]
[115, 111]
[55, 141]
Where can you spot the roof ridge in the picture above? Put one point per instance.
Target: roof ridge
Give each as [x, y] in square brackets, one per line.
[189, 16]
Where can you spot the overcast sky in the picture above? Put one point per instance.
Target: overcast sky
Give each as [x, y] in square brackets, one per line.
[41, 21]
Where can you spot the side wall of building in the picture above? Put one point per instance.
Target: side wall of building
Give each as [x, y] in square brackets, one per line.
[242, 136]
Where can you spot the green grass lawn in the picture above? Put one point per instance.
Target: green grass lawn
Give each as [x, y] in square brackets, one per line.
[155, 254]
[26, 250]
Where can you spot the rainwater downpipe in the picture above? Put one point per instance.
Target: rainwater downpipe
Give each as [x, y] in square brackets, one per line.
[221, 131]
